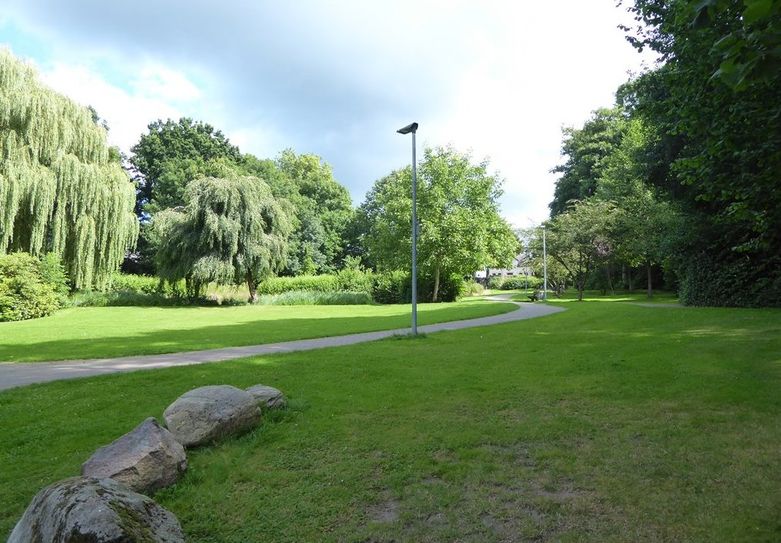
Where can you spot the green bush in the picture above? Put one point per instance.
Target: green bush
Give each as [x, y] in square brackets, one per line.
[354, 280]
[517, 282]
[740, 282]
[391, 287]
[520, 282]
[53, 272]
[25, 288]
[395, 288]
[495, 283]
[306, 297]
[473, 288]
[311, 283]
[451, 288]
[126, 298]
[144, 284]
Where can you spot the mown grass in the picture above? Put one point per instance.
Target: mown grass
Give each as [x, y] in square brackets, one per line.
[636, 296]
[607, 422]
[101, 332]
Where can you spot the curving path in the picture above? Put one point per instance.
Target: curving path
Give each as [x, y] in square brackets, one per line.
[19, 374]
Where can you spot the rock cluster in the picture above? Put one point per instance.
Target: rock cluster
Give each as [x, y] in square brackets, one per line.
[107, 504]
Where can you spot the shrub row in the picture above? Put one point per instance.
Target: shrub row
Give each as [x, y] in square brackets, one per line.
[519, 282]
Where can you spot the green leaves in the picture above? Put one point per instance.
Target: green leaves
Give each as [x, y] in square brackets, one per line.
[231, 231]
[60, 190]
[461, 230]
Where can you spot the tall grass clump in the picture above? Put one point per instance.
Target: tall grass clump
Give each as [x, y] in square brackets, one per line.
[303, 297]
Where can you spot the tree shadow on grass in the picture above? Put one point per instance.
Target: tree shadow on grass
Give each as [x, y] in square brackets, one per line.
[214, 337]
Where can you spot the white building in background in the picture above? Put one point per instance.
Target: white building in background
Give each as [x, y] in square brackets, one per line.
[519, 268]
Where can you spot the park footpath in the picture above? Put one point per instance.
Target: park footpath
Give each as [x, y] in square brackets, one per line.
[20, 374]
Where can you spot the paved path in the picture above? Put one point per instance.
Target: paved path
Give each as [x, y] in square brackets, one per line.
[20, 374]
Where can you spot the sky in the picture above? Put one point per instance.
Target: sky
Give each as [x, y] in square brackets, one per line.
[498, 79]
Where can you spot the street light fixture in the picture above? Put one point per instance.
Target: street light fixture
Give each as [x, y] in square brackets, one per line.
[412, 129]
[544, 266]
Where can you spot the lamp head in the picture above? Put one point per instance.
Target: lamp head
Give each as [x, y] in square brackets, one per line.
[409, 128]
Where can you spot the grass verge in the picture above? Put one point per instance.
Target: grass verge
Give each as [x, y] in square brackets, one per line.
[608, 422]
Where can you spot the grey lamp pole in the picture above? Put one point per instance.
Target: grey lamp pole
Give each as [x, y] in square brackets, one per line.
[544, 266]
[412, 129]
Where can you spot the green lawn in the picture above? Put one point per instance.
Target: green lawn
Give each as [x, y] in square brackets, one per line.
[100, 332]
[607, 422]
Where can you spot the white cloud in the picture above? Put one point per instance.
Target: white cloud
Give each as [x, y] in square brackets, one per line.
[127, 112]
[337, 78]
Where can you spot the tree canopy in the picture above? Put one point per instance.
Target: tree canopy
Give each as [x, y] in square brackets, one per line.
[173, 153]
[715, 109]
[460, 227]
[61, 189]
[231, 231]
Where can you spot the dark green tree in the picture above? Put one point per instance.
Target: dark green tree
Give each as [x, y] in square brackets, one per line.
[171, 154]
[715, 104]
[323, 213]
[587, 150]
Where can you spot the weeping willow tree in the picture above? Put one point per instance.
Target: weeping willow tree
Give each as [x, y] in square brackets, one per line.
[60, 190]
[231, 231]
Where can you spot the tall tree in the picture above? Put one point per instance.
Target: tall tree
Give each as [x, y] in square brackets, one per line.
[716, 103]
[62, 189]
[460, 227]
[171, 154]
[323, 212]
[230, 231]
[587, 150]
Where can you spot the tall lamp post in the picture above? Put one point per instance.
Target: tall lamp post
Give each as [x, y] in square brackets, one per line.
[412, 129]
[544, 266]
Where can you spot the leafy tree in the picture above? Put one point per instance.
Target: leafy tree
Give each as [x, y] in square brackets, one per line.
[323, 212]
[645, 224]
[230, 231]
[173, 153]
[587, 150]
[580, 239]
[460, 226]
[716, 106]
[62, 189]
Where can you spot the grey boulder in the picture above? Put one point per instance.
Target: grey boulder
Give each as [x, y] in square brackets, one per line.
[209, 413]
[145, 459]
[268, 397]
[95, 510]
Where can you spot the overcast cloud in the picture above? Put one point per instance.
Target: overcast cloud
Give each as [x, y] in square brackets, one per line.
[336, 78]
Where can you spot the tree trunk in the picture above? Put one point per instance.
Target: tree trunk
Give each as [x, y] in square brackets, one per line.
[623, 276]
[252, 286]
[436, 285]
[650, 286]
[610, 279]
[631, 280]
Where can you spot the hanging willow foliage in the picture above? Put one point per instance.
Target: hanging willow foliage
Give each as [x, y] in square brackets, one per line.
[59, 190]
[231, 231]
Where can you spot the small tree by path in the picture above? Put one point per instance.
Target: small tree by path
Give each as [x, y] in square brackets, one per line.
[580, 238]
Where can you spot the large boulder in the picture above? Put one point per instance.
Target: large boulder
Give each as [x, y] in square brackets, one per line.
[209, 413]
[268, 397]
[145, 459]
[96, 510]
